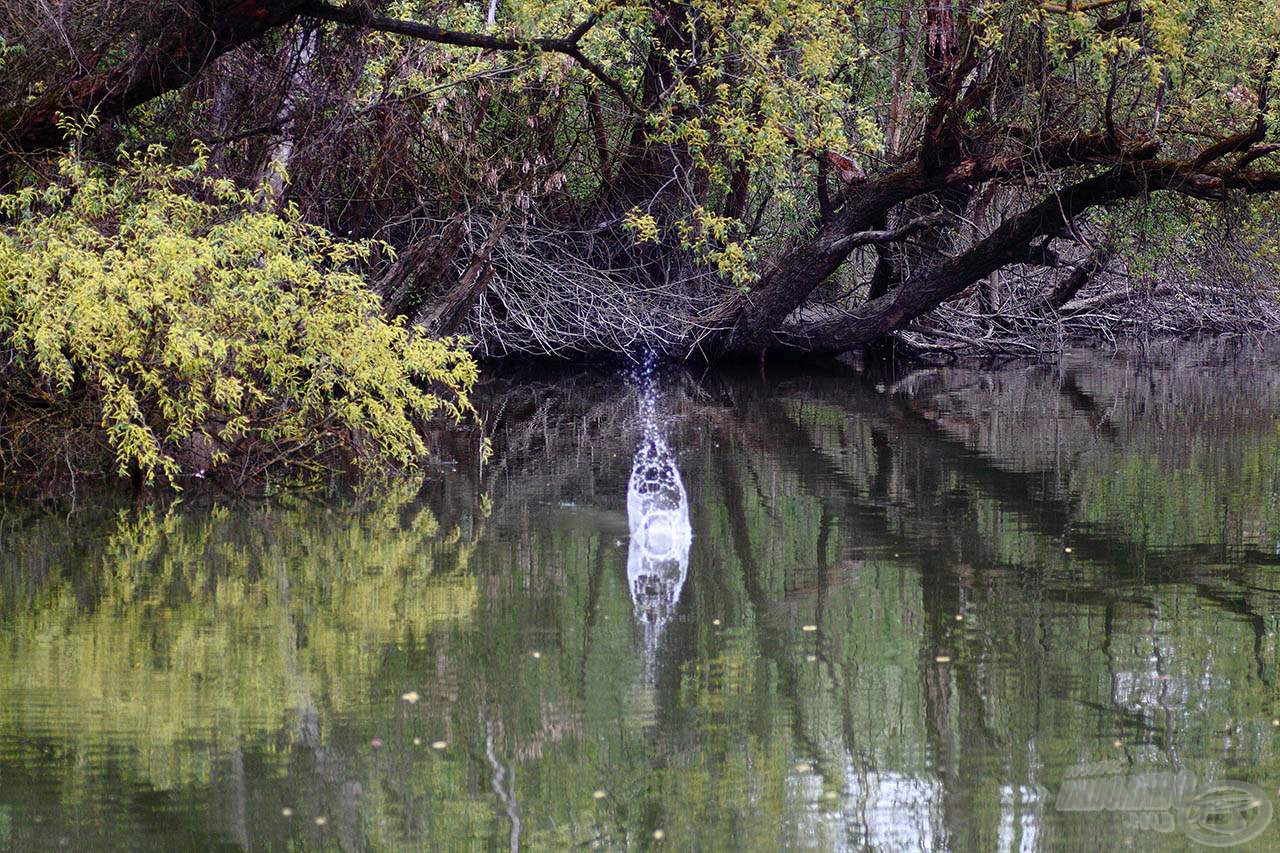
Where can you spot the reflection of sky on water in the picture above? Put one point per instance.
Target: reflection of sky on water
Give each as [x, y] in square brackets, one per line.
[900, 811]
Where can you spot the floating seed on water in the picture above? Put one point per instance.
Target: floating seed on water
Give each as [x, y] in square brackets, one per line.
[943, 658]
[439, 744]
[809, 628]
[410, 697]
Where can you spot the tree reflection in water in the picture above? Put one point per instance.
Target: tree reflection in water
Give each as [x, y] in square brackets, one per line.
[183, 677]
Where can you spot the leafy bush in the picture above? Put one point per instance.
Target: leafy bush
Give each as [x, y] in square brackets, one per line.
[164, 323]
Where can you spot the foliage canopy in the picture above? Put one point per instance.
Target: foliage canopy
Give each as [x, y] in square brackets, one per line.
[180, 323]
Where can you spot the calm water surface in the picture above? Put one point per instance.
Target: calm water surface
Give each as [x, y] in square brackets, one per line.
[819, 612]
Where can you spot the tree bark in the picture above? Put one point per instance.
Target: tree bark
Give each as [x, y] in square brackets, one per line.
[1072, 284]
[452, 310]
[420, 269]
[751, 321]
[209, 29]
[1007, 244]
[275, 169]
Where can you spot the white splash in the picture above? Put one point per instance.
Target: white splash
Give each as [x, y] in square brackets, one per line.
[658, 514]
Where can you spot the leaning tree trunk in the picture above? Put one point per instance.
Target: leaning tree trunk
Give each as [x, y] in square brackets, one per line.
[202, 30]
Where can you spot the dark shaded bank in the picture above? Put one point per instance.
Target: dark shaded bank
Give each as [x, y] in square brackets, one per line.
[888, 361]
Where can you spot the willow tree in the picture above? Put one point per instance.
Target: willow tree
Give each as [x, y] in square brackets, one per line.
[736, 178]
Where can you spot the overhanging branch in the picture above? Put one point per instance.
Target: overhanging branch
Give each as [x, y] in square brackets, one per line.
[569, 45]
[891, 235]
[191, 45]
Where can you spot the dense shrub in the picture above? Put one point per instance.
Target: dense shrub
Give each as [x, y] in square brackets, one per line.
[160, 323]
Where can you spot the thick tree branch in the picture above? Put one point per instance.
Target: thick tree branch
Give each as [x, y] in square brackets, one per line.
[1086, 6]
[1009, 244]
[1247, 139]
[1006, 244]
[213, 27]
[891, 235]
[190, 44]
[568, 45]
[1129, 17]
[1084, 272]
[753, 317]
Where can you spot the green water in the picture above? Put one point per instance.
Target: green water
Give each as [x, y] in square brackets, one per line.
[880, 638]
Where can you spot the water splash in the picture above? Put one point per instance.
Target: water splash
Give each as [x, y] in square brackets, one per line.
[658, 515]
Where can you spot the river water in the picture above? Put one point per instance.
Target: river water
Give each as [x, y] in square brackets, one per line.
[1033, 608]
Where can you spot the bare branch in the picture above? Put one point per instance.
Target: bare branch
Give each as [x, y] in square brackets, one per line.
[892, 235]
